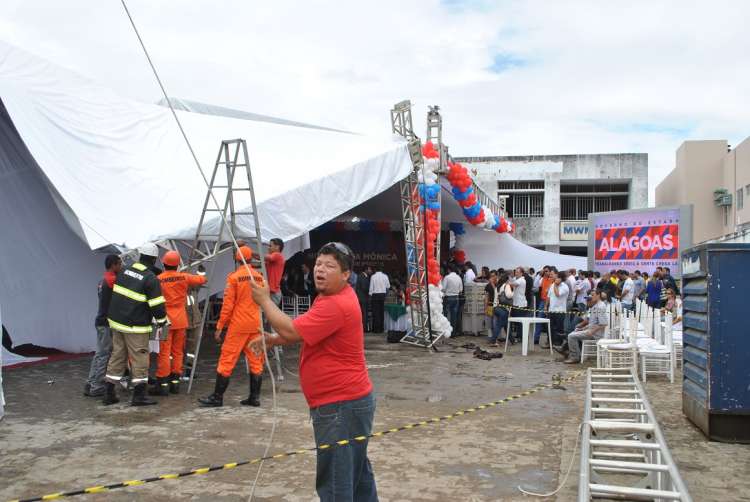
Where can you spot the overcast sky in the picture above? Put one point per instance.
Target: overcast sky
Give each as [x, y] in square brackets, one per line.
[511, 78]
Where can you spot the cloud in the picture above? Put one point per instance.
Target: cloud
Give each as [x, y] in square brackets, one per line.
[515, 77]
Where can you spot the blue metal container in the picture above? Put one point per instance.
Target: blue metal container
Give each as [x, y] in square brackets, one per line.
[716, 339]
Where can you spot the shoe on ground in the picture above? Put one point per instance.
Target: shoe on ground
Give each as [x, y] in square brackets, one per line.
[88, 392]
[211, 401]
[560, 349]
[570, 360]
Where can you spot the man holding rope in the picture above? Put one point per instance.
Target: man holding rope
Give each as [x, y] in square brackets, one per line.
[332, 372]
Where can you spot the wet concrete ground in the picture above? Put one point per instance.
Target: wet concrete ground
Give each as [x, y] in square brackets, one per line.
[53, 438]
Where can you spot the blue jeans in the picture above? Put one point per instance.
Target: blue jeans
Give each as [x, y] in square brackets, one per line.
[344, 473]
[499, 321]
[99, 363]
[540, 308]
[451, 311]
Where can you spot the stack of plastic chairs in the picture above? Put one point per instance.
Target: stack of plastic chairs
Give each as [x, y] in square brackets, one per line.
[657, 355]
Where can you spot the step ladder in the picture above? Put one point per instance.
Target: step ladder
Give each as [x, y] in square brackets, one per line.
[623, 453]
[231, 187]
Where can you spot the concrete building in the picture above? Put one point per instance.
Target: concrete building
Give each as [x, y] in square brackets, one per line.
[549, 197]
[715, 180]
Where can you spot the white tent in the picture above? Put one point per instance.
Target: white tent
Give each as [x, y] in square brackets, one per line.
[83, 167]
[489, 249]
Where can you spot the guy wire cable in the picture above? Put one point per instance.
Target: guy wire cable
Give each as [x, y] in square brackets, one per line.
[230, 231]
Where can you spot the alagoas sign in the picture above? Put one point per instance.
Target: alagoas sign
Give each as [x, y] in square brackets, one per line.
[636, 240]
[634, 243]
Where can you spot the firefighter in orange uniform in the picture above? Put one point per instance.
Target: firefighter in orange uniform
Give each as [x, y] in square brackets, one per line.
[241, 315]
[174, 286]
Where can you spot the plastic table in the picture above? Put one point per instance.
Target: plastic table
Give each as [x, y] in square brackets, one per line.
[527, 340]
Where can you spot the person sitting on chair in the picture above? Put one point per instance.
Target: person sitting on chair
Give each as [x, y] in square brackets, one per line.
[588, 329]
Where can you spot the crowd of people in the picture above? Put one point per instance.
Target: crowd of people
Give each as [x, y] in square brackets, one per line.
[575, 301]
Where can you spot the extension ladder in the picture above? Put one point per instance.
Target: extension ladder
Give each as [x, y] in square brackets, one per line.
[623, 453]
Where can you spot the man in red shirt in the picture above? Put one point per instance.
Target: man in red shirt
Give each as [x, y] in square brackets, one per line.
[275, 268]
[332, 373]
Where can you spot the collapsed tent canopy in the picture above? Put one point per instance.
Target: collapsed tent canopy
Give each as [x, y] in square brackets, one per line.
[126, 174]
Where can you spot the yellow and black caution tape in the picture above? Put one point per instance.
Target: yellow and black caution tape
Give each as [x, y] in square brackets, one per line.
[556, 381]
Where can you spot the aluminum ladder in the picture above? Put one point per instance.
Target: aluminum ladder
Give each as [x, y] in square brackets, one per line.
[623, 453]
[230, 180]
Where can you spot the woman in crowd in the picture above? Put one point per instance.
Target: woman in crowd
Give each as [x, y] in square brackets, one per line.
[502, 302]
[674, 307]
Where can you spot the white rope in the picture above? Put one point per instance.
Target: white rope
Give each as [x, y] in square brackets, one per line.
[226, 225]
[565, 478]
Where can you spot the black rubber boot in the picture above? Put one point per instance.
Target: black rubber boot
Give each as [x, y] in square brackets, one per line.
[160, 387]
[110, 396]
[139, 396]
[254, 398]
[217, 398]
[174, 383]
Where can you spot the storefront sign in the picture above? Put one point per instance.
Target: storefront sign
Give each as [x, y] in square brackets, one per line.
[574, 230]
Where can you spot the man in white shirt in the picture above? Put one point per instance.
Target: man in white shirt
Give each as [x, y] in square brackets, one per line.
[518, 283]
[570, 318]
[469, 274]
[452, 287]
[558, 305]
[628, 291]
[379, 286]
[583, 286]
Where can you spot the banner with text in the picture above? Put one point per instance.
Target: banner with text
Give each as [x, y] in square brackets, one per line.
[639, 240]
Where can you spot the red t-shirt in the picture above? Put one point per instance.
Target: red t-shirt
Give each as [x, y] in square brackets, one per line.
[332, 364]
[275, 269]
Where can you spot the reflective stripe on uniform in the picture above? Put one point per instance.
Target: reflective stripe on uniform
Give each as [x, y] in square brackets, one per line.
[139, 266]
[163, 319]
[133, 295]
[115, 378]
[139, 380]
[128, 329]
[153, 302]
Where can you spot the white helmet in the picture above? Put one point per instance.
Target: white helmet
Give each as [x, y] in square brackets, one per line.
[149, 249]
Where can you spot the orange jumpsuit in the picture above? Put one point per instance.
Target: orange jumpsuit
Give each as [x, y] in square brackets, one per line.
[242, 317]
[174, 287]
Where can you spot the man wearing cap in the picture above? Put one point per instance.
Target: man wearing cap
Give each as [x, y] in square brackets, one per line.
[174, 286]
[241, 315]
[136, 300]
[332, 373]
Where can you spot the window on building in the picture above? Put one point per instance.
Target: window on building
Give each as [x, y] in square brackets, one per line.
[525, 199]
[747, 189]
[578, 207]
[740, 199]
[525, 205]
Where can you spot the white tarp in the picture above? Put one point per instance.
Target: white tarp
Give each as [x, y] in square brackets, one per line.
[81, 166]
[124, 170]
[495, 250]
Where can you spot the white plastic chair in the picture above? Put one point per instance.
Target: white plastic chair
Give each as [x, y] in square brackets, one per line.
[623, 354]
[658, 356]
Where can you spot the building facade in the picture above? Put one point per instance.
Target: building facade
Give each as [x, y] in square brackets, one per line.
[549, 197]
[715, 180]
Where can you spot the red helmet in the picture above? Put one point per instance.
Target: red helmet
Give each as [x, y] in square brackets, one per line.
[243, 252]
[171, 259]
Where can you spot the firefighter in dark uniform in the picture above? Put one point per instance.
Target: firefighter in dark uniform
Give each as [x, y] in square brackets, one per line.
[136, 302]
